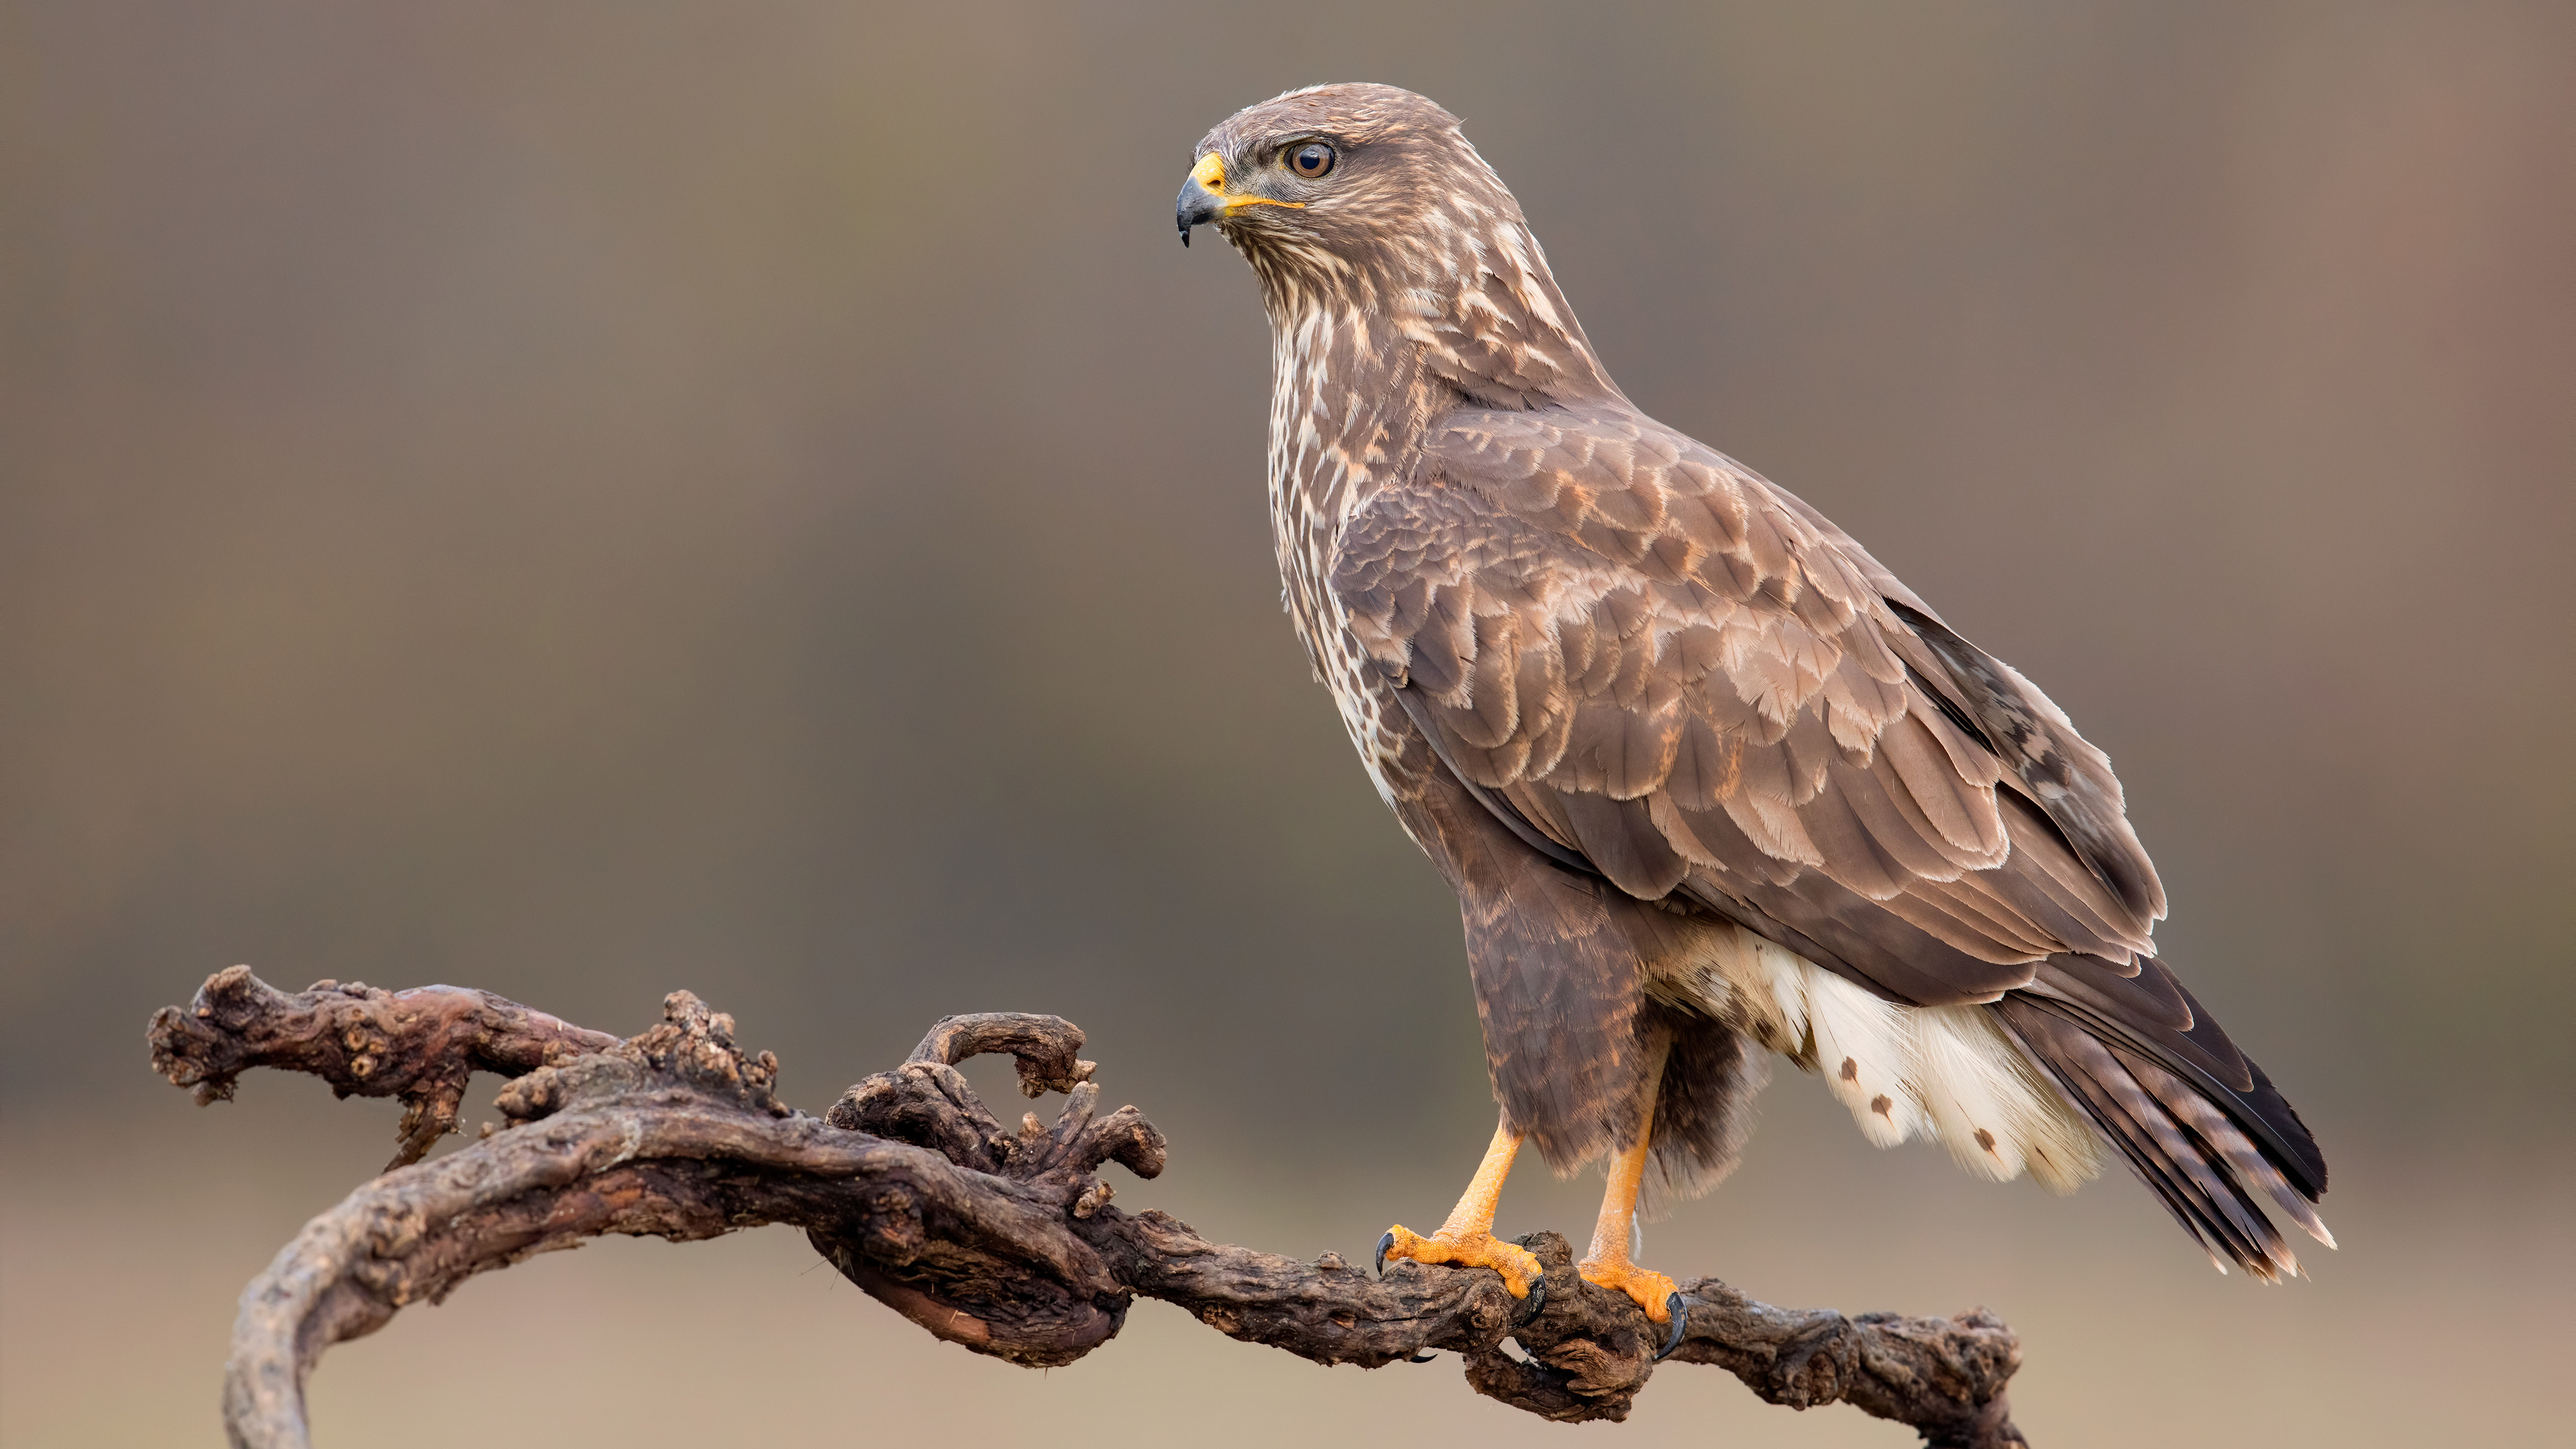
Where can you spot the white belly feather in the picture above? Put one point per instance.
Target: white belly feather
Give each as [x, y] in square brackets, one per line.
[1945, 1072]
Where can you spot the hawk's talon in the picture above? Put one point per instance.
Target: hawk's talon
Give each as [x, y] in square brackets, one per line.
[1648, 1289]
[1681, 1324]
[1425, 1356]
[1537, 1300]
[1467, 1248]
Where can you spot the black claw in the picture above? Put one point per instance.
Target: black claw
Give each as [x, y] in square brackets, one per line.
[1681, 1324]
[1537, 1299]
[1383, 1244]
[1425, 1356]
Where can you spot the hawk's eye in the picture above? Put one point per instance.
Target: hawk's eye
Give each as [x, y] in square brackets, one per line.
[1311, 160]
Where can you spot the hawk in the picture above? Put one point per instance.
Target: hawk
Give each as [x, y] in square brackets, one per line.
[1706, 777]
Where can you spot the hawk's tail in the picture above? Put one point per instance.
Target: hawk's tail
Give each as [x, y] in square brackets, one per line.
[2203, 1127]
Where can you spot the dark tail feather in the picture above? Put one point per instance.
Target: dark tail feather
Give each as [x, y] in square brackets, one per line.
[2184, 1145]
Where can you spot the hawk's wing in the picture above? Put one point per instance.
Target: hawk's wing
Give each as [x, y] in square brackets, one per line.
[1658, 661]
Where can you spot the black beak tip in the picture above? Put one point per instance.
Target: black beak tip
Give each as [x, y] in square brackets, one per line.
[1196, 206]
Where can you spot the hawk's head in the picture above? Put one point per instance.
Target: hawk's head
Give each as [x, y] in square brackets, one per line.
[1368, 198]
[1341, 174]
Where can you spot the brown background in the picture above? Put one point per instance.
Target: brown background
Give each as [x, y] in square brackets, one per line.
[588, 499]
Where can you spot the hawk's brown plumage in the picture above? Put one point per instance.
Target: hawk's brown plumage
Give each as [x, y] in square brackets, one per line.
[1697, 764]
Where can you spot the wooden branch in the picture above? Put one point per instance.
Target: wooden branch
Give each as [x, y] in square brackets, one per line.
[998, 1238]
[419, 1045]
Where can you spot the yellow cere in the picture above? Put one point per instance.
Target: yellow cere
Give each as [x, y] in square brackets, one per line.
[1210, 173]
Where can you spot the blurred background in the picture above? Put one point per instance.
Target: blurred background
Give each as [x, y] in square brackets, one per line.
[588, 499]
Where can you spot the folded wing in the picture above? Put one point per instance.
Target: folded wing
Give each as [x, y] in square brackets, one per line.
[1661, 662]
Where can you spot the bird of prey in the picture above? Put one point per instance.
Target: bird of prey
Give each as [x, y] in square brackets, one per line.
[1705, 776]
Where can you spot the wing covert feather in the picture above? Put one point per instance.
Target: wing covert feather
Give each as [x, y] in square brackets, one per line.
[1686, 675]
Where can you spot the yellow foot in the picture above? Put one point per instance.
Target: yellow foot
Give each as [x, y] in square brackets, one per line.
[1653, 1291]
[1518, 1265]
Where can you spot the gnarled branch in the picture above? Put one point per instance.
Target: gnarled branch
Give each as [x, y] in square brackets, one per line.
[998, 1238]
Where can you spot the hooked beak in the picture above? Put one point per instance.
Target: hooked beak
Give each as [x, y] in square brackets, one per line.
[1204, 198]
[1198, 205]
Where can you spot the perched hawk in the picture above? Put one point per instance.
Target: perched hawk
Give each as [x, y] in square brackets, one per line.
[1705, 775]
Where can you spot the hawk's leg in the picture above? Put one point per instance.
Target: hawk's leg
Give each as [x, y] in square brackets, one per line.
[1467, 1239]
[1608, 1263]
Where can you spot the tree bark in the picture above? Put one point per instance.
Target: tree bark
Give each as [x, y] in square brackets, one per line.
[998, 1239]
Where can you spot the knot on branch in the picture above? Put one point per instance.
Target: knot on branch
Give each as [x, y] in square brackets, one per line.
[928, 1102]
[691, 1048]
[1589, 1350]
[990, 1291]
